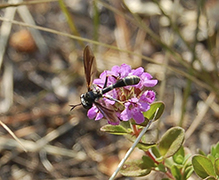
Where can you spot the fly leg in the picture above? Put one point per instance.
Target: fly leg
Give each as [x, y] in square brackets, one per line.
[113, 99]
[105, 84]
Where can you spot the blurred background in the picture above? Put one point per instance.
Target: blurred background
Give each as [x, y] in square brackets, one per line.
[41, 74]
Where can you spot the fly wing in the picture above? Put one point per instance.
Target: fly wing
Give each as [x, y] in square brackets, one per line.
[109, 114]
[89, 59]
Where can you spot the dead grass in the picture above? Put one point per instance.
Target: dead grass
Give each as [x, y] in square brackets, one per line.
[41, 74]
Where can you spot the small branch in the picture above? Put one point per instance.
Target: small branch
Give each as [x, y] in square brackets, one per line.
[133, 147]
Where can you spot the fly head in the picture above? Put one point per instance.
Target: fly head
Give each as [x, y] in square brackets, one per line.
[89, 98]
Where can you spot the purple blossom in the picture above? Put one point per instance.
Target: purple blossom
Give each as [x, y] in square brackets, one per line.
[148, 97]
[94, 113]
[147, 80]
[100, 81]
[133, 109]
[122, 71]
[137, 72]
[131, 101]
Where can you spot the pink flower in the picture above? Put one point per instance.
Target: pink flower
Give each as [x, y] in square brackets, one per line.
[124, 103]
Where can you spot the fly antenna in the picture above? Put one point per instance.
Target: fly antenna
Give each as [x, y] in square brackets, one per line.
[73, 106]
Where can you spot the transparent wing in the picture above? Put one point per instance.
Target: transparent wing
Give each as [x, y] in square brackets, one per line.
[88, 58]
[108, 113]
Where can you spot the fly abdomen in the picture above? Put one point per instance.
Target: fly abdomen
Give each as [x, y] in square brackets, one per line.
[129, 80]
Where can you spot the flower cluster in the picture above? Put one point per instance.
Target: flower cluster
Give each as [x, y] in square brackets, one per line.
[128, 102]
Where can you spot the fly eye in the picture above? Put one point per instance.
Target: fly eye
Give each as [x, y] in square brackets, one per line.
[82, 96]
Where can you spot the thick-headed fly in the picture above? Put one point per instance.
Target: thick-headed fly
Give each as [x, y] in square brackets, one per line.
[91, 97]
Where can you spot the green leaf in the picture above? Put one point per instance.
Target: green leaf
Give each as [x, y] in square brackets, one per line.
[188, 172]
[153, 108]
[216, 166]
[211, 157]
[176, 172]
[210, 178]
[134, 168]
[168, 162]
[215, 150]
[187, 159]
[141, 145]
[112, 129]
[201, 152]
[155, 152]
[125, 124]
[150, 114]
[178, 157]
[145, 146]
[171, 141]
[148, 162]
[203, 166]
[161, 167]
[142, 124]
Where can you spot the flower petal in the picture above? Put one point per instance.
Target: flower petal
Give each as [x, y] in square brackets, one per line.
[125, 70]
[138, 117]
[124, 115]
[150, 83]
[148, 96]
[144, 106]
[99, 116]
[92, 112]
[114, 123]
[138, 71]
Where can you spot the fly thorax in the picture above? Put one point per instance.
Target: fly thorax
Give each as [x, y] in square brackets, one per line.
[97, 92]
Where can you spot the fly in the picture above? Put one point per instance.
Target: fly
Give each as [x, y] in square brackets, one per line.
[91, 97]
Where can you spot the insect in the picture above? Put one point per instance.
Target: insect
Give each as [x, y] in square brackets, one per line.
[91, 97]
